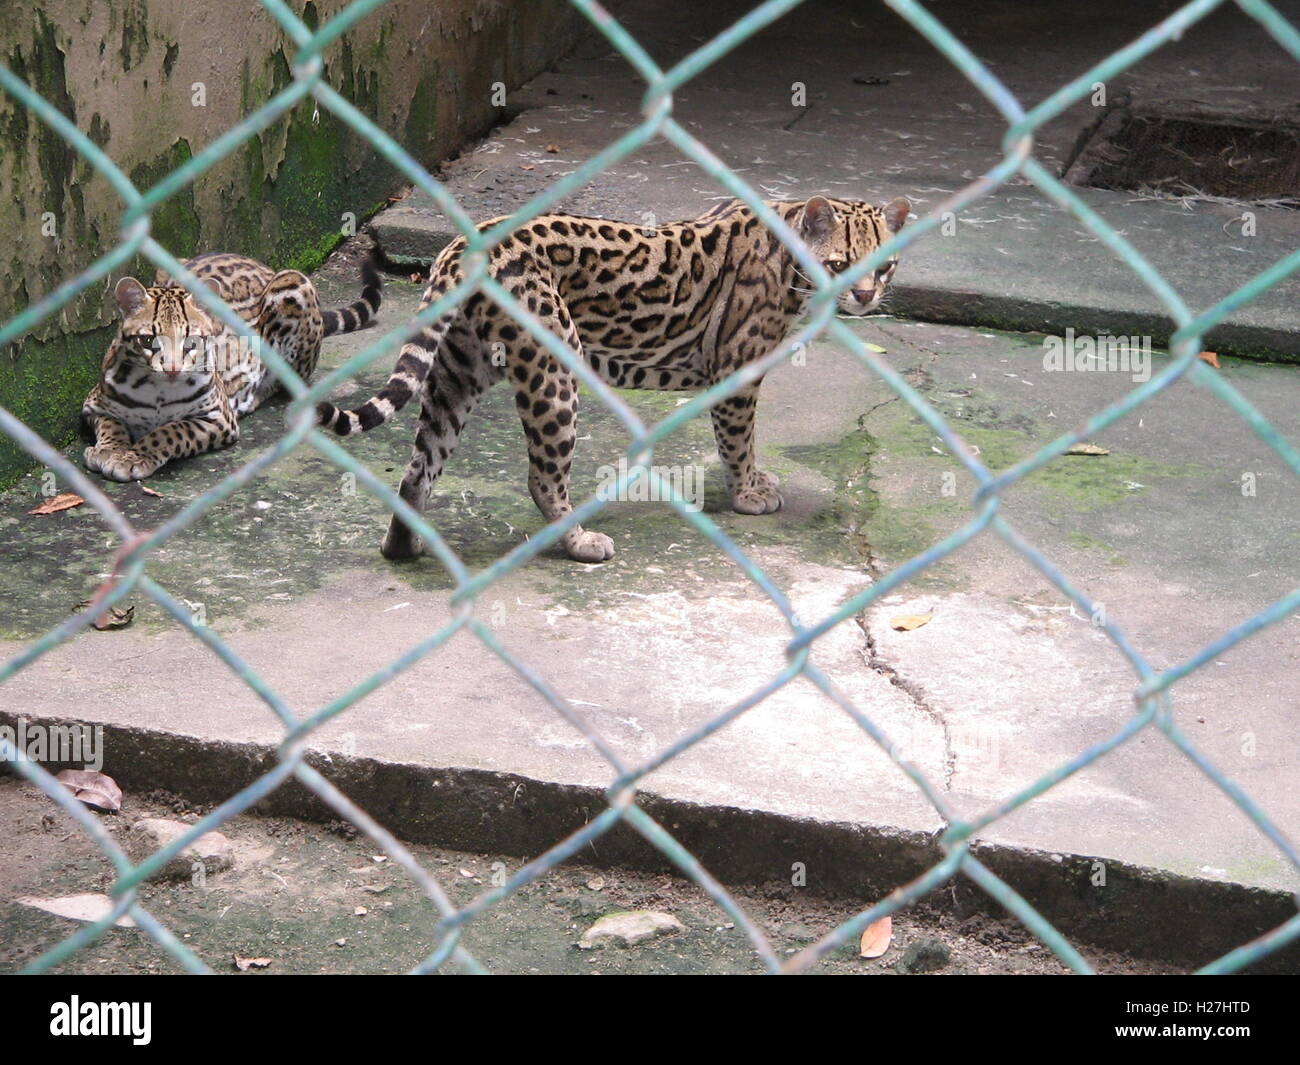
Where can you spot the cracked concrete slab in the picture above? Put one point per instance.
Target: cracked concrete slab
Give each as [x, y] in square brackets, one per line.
[646, 648]
[1184, 529]
[1001, 686]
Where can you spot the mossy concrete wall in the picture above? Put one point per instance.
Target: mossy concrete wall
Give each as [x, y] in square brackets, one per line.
[154, 81]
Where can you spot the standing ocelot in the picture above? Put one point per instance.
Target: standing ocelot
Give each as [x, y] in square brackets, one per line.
[679, 306]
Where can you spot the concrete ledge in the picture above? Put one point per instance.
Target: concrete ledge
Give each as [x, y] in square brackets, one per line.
[1143, 912]
[957, 306]
[410, 237]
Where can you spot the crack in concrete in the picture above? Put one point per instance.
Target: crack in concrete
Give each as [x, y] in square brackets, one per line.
[925, 356]
[876, 662]
[871, 655]
[883, 403]
[803, 111]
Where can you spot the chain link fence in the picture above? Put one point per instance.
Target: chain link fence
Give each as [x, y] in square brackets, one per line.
[1153, 690]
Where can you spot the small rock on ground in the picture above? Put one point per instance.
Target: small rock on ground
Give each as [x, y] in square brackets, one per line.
[212, 850]
[629, 929]
[924, 956]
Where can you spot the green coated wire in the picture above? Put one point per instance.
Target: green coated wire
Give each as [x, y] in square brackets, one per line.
[1153, 688]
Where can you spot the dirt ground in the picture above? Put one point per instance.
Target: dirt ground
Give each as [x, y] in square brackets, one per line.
[296, 889]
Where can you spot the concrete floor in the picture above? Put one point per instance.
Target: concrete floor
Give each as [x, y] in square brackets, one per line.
[1001, 686]
[1013, 259]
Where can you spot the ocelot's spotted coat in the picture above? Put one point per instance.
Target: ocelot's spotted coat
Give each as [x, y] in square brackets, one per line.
[678, 307]
[176, 380]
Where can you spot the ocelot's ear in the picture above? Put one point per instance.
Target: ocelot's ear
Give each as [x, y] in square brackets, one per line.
[896, 212]
[819, 219]
[211, 284]
[288, 279]
[282, 282]
[130, 295]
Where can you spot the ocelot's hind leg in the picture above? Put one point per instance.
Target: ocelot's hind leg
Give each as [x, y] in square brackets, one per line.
[547, 397]
[289, 318]
[461, 372]
[753, 491]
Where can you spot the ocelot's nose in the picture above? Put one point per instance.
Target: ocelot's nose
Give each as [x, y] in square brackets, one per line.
[864, 295]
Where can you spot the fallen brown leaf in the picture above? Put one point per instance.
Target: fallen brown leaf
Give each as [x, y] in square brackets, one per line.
[112, 618]
[94, 789]
[553, 148]
[115, 618]
[876, 938]
[150, 492]
[1212, 357]
[527, 166]
[244, 964]
[63, 501]
[1086, 449]
[908, 622]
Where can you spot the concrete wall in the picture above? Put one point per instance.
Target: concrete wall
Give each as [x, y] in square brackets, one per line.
[125, 71]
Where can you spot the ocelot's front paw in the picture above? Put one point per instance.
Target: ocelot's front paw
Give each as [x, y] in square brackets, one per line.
[759, 496]
[584, 546]
[118, 464]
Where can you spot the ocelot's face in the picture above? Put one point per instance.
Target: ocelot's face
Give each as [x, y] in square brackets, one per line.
[164, 328]
[843, 233]
[866, 293]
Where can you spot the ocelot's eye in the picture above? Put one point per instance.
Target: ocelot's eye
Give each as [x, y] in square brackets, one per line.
[887, 270]
[836, 266]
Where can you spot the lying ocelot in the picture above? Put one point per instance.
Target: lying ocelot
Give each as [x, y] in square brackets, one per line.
[676, 307]
[176, 380]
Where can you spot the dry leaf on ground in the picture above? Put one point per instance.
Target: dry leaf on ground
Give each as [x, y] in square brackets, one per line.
[908, 622]
[244, 964]
[94, 789]
[63, 501]
[876, 938]
[1087, 449]
[150, 492]
[1212, 357]
[113, 618]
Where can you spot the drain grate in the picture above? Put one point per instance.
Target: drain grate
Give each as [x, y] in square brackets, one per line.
[1183, 149]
